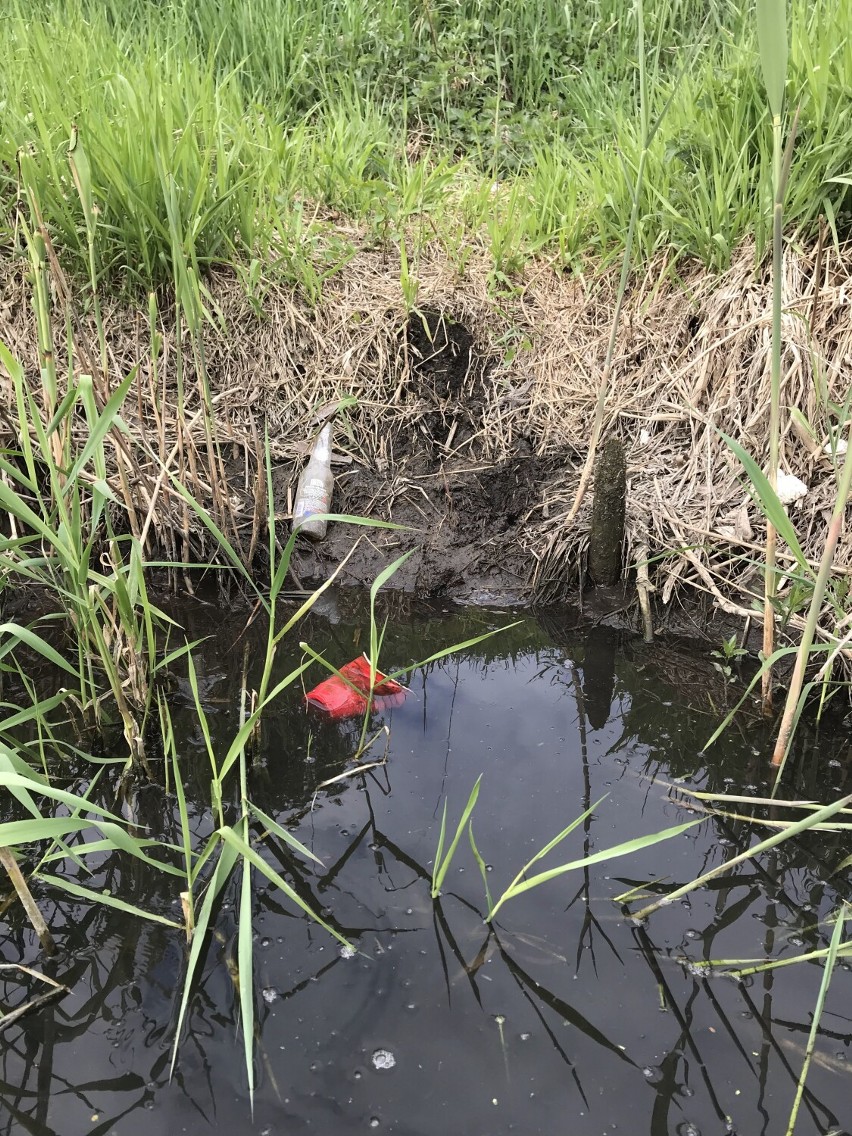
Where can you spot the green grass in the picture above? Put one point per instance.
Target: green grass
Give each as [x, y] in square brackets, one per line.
[248, 129]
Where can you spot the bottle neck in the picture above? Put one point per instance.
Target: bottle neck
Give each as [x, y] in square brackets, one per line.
[322, 446]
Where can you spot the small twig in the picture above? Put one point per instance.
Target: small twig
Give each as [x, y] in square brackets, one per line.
[352, 772]
[32, 973]
[30, 1007]
[746, 631]
[362, 768]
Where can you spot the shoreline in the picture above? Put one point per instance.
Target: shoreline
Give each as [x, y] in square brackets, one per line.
[467, 419]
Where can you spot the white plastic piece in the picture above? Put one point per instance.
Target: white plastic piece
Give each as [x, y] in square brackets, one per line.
[790, 488]
[840, 448]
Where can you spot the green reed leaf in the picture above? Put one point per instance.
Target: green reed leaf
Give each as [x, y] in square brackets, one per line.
[772, 39]
[105, 898]
[442, 866]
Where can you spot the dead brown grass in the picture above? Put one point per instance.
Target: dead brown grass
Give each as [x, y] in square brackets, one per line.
[692, 360]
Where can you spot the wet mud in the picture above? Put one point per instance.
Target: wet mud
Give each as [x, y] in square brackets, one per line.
[464, 516]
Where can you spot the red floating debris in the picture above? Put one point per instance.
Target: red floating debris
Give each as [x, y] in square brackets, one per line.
[339, 699]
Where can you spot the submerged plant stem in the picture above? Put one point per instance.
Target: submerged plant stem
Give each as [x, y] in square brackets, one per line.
[29, 905]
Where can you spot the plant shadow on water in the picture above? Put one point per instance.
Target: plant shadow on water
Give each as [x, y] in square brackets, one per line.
[562, 1016]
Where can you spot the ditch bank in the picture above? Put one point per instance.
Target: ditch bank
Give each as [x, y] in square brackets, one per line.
[468, 418]
[465, 495]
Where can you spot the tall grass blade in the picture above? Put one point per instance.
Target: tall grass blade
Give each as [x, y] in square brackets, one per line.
[380, 580]
[480, 863]
[121, 839]
[445, 651]
[17, 832]
[107, 900]
[19, 634]
[11, 762]
[33, 713]
[221, 873]
[108, 419]
[442, 865]
[274, 827]
[78, 852]
[769, 502]
[803, 825]
[245, 984]
[827, 972]
[771, 18]
[518, 887]
[239, 846]
[15, 781]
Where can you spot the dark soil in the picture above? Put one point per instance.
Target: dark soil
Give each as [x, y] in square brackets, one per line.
[462, 529]
[463, 514]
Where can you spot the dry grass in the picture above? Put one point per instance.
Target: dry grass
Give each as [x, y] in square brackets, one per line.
[692, 360]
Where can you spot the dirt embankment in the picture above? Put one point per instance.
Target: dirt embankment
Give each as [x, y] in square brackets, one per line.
[464, 510]
[472, 416]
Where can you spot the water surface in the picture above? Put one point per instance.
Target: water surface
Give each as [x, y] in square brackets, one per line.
[566, 1017]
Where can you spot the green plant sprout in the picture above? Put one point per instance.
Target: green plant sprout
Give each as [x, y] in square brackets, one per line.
[523, 881]
[729, 655]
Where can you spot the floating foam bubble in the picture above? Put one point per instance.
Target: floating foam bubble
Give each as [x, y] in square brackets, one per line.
[383, 1059]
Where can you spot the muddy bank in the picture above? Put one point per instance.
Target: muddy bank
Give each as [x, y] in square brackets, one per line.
[468, 420]
[462, 527]
[464, 515]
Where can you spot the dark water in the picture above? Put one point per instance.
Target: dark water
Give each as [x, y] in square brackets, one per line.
[566, 1018]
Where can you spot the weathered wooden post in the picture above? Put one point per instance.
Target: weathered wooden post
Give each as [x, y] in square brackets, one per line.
[608, 511]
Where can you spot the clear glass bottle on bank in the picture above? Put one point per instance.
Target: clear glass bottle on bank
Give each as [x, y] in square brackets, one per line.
[313, 493]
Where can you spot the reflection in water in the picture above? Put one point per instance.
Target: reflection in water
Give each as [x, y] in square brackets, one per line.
[563, 1016]
[598, 685]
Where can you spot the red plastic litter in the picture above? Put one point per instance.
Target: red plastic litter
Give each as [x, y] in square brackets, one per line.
[339, 700]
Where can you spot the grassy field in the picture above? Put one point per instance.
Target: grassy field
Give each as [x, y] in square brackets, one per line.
[224, 131]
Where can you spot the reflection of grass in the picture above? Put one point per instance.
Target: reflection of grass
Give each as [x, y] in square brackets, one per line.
[835, 950]
[816, 819]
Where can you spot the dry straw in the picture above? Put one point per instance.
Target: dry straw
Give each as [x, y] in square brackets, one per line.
[692, 360]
